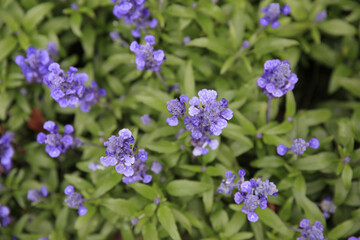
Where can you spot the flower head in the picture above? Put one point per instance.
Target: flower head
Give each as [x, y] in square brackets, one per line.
[4, 216]
[35, 65]
[121, 154]
[146, 57]
[299, 146]
[70, 91]
[272, 14]
[145, 119]
[75, 200]
[311, 232]
[156, 167]
[57, 143]
[277, 78]
[34, 195]
[6, 152]
[321, 16]
[327, 207]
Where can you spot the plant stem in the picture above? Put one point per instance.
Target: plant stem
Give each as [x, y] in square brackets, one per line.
[268, 111]
[161, 80]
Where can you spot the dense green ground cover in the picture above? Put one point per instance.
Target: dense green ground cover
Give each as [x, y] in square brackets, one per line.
[324, 104]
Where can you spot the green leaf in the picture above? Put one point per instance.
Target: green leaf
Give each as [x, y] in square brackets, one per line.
[270, 44]
[120, 207]
[279, 129]
[290, 105]
[236, 222]
[6, 46]
[162, 147]
[324, 54]
[346, 176]
[88, 40]
[340, 192]
[227, 64]
[144, 190]
[149, 232]
[316, 162]
[315, 117]
[311, 210]
[34, 16]
[189, 81]
[79, 183]
[187, 188]
[351, 84]
[62, 219]
[167, 220]
[106, 183]
[337, 27]
[242, 236]
[5, 101]
[271, 219]
[212, 44]
[182, 219]
[219, 220]
[268, 162]
[75, 24]
[341, 230]
[180, 11]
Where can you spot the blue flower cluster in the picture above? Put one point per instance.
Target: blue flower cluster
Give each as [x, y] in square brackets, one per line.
[70, 91]
[251, 193]
[354, 238]
[146, 57]
[156, 167]
[321, 16]
[328, 207]
[311, 232]
[35, 65]
[34, 195]
[134, 11]
[121, 154]
[6, 152]
[56, 143]
[145, 119]
[272, 14]
[75, 200]
[298, 147]
[206, 117]
[4, 216]
[277, 78]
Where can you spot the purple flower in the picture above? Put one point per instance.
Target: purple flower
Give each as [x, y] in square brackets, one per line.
[145, 119]
[36, 63]
[252, 194]
[6, 152]
[75, 200]
[321, 16]
[134, 11]
[272, 14]
[206, 117]
[327, 207]
[277, 78]
[146, 57]
[245, 44]
[115, 36]
[299, 146]
[121, 154]
[186, 40]
[311, 232]
[34, 195]
[94, 166]
[70, 91]
[4, 216]
[156, 167]
[57, 143]
[354, 238]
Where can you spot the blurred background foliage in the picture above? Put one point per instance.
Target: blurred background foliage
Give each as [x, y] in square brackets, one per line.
[324, 104]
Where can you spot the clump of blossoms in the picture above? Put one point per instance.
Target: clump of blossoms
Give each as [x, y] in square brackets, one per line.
[75, 200]
[327, 206]
[36, 63]
[298, 147]
[321, 16]
[206, 117]
[156, 167]
[134, 11]
[4, 216]
[354, 238]
[145, 119]
[70, 91]
[252, 194]
[57, 143]
[6, 152]
[146, 57]
[272, 14]
[277, 78]
[121, 154]
[34, 195]
[311, 232]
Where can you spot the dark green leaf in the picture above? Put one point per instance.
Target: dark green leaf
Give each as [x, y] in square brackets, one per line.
[187, 188]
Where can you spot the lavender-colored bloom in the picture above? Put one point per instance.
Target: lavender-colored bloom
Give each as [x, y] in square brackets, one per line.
[4, 216]
[70, 91]
[272, 14]
[206, 117]
[327, 207]
[145, 119]
[321, 16]
[156, 167]
[134, 11]
[134, 221]
[115, 36]
[157, 200]
[347, 159]
[311, 232]
[252, 194]
[121, 154]
[94, 166]
[74, 6]
[298, 147]
[43, 238]
[6, 152]
[36, 63]
[146, 57]
[354, 238]
[186, 40]
[245, 44]
[277, 78]
[75, 200]
[34, 195]
[57, 143]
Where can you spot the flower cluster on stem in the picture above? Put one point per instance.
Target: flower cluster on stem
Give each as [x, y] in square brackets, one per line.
[4, 216]
[34, 195]
[75, 200]
[311, 232]
[6, 152]
[298, 147]
[272, 14]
